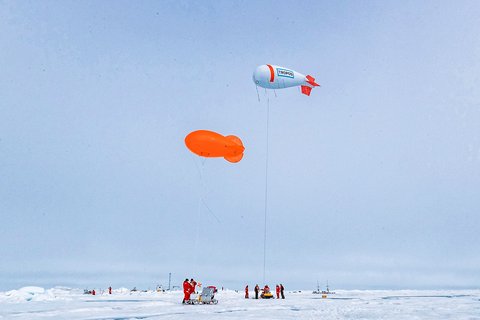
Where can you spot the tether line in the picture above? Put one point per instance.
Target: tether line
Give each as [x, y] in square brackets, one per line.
[266, 199]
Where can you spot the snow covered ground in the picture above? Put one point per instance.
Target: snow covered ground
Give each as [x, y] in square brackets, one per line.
[65, 303]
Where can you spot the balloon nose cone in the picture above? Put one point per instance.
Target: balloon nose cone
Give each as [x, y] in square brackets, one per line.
[254, 78]
[257, 74]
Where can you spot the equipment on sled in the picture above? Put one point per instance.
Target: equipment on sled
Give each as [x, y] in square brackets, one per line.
[206, 297]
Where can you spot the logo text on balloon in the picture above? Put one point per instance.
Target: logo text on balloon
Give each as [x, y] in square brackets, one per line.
[285, 73]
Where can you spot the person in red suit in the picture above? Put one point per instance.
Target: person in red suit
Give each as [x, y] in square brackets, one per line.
[186, 291]
[193, 283]
[246, 292]
[277, 290]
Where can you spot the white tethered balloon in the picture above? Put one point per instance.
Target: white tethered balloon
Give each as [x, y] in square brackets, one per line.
[275, 77]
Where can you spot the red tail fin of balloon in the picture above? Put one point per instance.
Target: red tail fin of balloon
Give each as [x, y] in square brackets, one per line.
[306, 90]
[311, 80]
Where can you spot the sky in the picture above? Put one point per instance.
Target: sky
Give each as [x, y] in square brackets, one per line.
[373, 181]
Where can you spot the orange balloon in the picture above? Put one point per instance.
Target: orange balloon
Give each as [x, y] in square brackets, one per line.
[210, 144]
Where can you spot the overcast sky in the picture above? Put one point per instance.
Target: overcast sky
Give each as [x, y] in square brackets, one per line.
[373, 181]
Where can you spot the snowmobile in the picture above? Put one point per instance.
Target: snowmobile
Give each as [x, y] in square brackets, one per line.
[266, 294]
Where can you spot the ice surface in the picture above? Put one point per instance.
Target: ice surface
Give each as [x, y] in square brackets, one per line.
[66, 303]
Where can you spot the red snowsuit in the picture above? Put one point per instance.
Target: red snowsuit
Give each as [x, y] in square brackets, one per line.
[246, 292]
[277, 290]
[186, 290]
[193, 284]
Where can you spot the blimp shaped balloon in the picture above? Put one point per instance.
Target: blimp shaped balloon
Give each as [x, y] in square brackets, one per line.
[270, 76]
[210, 144]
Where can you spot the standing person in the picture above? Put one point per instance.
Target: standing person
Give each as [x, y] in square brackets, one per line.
[281, 290]
[109, 290]
[93, 292]
[257, 289]
[186, 290]
[246, 292]
[193, 283]
[277, 291]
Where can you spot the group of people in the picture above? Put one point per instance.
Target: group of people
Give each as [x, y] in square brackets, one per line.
[279, 290]
[93, 292]
[188, 288]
